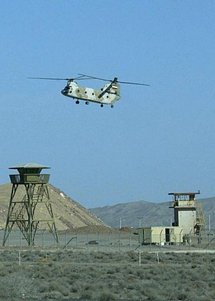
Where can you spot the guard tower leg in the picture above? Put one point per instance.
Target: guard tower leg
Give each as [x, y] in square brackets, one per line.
[9, 222]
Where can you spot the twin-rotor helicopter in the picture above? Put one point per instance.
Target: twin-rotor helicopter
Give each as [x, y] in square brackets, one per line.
[107, 95]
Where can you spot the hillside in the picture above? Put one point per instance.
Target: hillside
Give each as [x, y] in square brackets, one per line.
[134, 214]
[144, 213]
[68, 213]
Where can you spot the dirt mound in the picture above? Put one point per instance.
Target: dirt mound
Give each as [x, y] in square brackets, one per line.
[69, 214]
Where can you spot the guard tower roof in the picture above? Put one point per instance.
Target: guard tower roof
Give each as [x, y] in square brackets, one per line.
[29, 165]
[183, 193]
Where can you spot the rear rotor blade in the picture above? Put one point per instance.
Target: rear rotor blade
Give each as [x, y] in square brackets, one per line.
[94, 77]
[111, 80]
[132, 83]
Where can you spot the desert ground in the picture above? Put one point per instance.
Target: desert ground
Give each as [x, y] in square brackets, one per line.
[108, 266]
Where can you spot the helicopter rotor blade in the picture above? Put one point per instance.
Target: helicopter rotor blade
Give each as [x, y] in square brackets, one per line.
[58, 78]
[82, 77]
[86, 77]
[48, 78]
[132, 83]
[111, 80]
[94, 77]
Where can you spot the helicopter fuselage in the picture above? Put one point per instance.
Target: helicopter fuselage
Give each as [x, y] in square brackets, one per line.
[108, 94]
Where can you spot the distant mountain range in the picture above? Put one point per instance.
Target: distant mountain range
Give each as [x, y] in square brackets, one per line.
[142, 213]
[70, 214]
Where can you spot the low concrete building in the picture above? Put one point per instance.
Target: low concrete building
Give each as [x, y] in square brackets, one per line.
[161, 235]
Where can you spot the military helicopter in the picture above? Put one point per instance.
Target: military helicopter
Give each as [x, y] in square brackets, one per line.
[107, 95]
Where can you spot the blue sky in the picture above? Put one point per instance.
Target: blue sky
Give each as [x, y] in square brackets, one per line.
[156, 140]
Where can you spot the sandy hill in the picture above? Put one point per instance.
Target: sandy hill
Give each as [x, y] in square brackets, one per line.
[68, 213]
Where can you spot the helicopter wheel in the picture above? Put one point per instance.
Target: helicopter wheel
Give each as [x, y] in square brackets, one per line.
[102, 105]
[77, 102]
[87, 102]
[112, 106]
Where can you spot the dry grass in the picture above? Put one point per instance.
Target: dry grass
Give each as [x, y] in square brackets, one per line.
[81, 275]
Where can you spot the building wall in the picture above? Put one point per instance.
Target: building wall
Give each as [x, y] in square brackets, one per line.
[161, 235]
[187, 220]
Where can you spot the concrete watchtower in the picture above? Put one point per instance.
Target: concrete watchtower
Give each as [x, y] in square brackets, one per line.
[24, 207]
[187, 212]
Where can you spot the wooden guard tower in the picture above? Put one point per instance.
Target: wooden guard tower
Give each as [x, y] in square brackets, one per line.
[26, 204]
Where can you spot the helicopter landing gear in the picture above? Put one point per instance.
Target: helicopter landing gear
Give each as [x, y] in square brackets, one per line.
[101, 105]
[87, 102]
[77, 102]
[112, 106]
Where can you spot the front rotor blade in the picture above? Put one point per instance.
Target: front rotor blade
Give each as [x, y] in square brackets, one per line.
[58, 78]
[49, 78]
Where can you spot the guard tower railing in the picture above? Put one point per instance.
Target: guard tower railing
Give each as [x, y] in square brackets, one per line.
[29, 178]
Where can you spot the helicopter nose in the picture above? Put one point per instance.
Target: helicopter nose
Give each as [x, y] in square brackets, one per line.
[65, 91]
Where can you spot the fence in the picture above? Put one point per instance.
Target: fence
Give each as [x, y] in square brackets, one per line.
[115, 241]
[107, 242]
